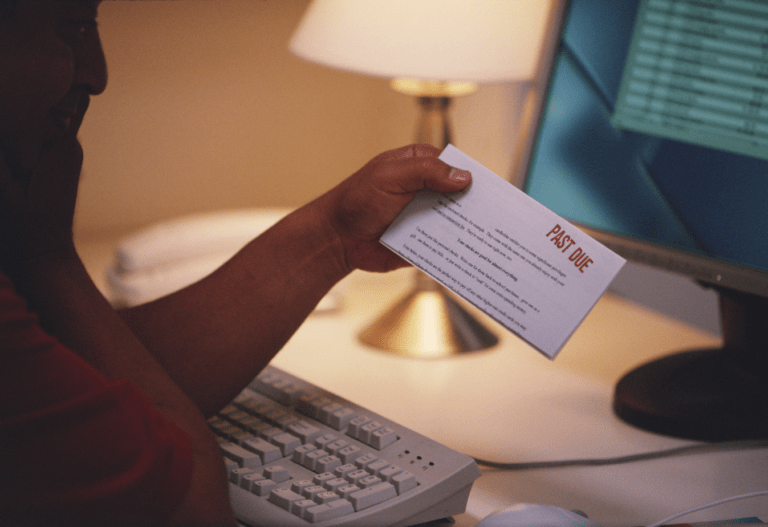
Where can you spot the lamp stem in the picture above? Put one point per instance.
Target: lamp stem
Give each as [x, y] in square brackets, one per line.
[428, 322]
[433, 127]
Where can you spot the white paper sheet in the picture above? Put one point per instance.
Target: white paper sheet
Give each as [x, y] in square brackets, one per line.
[502, 251]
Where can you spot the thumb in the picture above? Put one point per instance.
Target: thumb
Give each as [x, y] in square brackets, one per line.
[417, 167]
[430, 174]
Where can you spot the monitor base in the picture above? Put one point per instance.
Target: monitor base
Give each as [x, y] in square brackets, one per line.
[694, 395]
[709, 395]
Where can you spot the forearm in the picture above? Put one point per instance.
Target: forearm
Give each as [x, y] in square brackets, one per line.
[216, 335]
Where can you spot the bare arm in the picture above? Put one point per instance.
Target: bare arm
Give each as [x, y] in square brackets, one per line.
[216, 335]
[192, 351]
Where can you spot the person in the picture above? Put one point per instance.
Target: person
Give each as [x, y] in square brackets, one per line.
[103, 412]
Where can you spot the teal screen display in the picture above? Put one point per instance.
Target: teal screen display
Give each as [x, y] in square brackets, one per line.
[656, 125]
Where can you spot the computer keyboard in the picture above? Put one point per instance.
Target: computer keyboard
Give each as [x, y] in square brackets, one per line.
[298, 455]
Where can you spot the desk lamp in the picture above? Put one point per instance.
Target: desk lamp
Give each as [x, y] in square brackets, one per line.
[434, 50]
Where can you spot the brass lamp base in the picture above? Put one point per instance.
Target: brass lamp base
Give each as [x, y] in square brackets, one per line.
[427, 323]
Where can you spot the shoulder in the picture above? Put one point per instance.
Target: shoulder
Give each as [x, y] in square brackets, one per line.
[75, 440]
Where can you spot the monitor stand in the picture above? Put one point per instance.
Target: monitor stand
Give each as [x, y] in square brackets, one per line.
[712, 394]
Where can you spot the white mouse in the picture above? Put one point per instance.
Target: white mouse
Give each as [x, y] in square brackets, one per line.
[532, 515]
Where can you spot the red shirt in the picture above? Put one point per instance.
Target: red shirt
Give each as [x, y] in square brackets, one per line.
[75, 447]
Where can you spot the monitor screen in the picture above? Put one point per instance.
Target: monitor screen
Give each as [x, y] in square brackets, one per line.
[655, 129]
[653, 136]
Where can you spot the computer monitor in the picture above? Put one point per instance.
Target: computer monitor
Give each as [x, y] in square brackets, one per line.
[652, 135]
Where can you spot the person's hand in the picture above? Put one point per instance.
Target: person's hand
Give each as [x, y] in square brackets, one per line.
[361, 208]
[36, 213]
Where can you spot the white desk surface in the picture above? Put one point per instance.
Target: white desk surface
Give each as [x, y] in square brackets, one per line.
[512, 404]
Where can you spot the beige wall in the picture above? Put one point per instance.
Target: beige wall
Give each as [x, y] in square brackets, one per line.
[206, 109]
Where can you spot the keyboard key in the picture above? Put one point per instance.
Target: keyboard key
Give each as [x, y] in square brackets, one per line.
[300, 507]
[323, 440]
[265, 450]
[263, 487]
[369, 481]
[366, 431]
[320, 479]
[325, 411]
[299, 486]
[312, 458]
[334, 446]
[238, 436]
[347, 490]
[244, 458]
[343, 470]
[304, 431]
[251, 405]
[230, 408]
[276, 473]
[404, 482]
[265, 379]
[284, 391]
[277, 387]
[269, 432]
[289, 395]
[261, 408]
[284, 421]
[301, 453]
[247, 481]
[287, 443]
[311, 492]
[353, 429]
[217, 423]
[340, 419]
[357, 475]
[248, 420]
[244, 396]
[329, 511]
[327, 463]
[236, 474]
[284, 498]
[382, 438]
[365, 460]
[227, 431]
[376, 467]
[230, 464]
[274, 415]
[326, 497]
[388, 473]
[255, 425]
[348, 453]
[310, 404]
[236, 415]
[334, 484]
[365, 498]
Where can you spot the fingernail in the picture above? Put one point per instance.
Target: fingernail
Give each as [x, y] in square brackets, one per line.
[459, 175]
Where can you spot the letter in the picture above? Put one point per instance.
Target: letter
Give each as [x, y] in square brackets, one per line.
[578, 252]
[558, 239]
[554, 230]
[579, 259]
[585, 264]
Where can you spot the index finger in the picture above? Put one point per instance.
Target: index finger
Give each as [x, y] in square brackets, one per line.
[410, 151]
[407, 172]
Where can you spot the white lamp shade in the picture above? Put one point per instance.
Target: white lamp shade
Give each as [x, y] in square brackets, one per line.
[440, 40]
